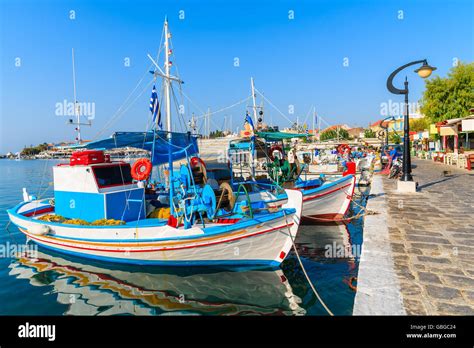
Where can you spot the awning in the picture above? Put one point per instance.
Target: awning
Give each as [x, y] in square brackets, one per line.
[453, 121]
[274, 136]
[446, 130]
[180, 144]
[433, 129]
[468, 125]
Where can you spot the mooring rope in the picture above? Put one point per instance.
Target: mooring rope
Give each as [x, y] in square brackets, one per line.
[12, 236]
[304, 270]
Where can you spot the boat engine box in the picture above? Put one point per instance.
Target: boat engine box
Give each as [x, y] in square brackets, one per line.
[88, 157]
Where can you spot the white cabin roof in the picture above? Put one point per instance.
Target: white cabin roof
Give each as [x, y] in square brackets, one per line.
[81, 178]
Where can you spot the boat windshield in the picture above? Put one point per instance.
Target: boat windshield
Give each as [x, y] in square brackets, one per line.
[113, 175]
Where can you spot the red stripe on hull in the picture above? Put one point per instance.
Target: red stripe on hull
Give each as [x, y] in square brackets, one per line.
[39, 211]
[162, 249]
[325, 193]
[322, 218]
[352, 194]
[330, 217]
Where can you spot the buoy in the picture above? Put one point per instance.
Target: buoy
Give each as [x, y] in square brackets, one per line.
[342, 148]
[26, 196]
[141, 169]
[273, 149]
[39, 230]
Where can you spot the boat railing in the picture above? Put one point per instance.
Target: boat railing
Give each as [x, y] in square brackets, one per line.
[272, 186]
[249, 203]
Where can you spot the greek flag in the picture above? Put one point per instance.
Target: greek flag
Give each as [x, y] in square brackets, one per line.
[155, 106]
[248, 119]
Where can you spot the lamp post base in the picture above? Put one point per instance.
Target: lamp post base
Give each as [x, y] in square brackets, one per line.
[406, 186]
[406, 177]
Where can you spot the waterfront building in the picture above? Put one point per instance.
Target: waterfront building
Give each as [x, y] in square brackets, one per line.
[455, 133]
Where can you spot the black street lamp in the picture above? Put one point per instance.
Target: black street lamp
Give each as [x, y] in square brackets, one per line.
[386, 119]
[424, 71]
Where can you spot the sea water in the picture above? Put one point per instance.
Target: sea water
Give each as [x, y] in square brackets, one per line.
[49, 283]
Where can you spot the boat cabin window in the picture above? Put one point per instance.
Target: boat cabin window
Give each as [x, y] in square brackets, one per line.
[113, 175]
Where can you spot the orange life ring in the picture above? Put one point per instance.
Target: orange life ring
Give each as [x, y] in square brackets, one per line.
[141, 169]
[197, 160]
[274, 148]
[342, 148]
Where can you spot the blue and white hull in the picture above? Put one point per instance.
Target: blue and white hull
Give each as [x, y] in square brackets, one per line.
[328, 202]
[265, 239]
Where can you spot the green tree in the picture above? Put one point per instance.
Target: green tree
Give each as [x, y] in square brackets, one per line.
[216, 134]
[419, 124]
[34, 150]
[338, 133]
[451, 96]
[394, 138]
[369, 133]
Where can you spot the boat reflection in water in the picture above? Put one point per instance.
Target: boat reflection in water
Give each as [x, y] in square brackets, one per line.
[327, 255]
[84, 287]
[91, 289]
[329, 241]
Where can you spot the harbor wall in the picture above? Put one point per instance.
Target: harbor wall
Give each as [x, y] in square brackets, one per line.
[378, 288]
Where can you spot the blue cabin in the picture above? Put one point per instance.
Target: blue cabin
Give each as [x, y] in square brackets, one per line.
[92, 187]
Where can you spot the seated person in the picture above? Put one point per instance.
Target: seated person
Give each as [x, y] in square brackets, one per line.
[393, 154]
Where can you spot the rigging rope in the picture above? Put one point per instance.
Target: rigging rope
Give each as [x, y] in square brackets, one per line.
[273, 105]
[280, 112]
[304, 270]
[181, 119]
[119, 113]
[224, 108]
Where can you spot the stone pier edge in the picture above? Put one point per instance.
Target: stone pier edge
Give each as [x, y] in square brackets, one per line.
[378, 288]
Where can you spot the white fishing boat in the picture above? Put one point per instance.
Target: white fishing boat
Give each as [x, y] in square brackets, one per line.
[327, 201]
[101, 208]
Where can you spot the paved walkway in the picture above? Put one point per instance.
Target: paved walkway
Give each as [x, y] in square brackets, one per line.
[432, 239]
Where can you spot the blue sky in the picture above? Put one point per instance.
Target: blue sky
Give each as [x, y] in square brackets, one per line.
[294, 61]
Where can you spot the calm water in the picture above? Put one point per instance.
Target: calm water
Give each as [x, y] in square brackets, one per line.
[54, 284]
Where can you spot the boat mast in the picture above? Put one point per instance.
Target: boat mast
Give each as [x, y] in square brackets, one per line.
[208, 123]
[319, 128]
[167, 81]
[314, 117]
[167, 77]
[76, 113]
[255, 117]
[253, 154]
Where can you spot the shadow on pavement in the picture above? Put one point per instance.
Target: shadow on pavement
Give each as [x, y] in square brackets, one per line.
[446, 178]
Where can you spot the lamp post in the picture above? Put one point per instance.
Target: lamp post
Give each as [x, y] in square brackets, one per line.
[386, 119]
[424, 71]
